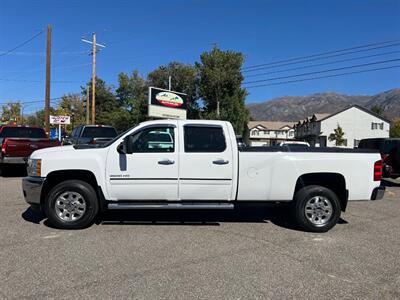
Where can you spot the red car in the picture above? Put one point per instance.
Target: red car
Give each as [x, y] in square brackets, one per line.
[17, 142]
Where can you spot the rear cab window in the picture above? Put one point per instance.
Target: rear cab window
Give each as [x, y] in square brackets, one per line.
[207, 138]
[99, 132]
[23, 132]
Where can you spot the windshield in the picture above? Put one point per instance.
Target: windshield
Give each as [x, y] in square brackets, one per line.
[99, 132]
[23, 132]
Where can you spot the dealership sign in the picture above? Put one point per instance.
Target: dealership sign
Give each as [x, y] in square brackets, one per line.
[167, 104]
[60, 120]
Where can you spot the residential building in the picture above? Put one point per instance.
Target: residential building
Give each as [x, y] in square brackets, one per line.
[268, 133]
[356, 121]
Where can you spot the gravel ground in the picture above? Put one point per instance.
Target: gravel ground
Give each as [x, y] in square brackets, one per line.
[254, 254]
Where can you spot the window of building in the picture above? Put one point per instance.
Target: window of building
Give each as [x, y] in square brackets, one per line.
[377, 126]
[204, 139]
[254, 132]
[356, 142]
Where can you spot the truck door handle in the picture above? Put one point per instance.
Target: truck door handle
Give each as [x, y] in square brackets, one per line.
[166, 162]
[220, 162]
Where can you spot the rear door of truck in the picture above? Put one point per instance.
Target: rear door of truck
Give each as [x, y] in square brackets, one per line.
[206, 162]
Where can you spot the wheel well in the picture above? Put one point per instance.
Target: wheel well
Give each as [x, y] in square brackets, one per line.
[56, 177]
[333, 181]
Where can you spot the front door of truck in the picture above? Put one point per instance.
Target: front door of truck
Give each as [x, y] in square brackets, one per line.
[151, 172]
[205, 163]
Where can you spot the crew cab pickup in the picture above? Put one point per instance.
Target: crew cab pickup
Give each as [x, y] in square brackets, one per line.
[199, 167]
[18, 142]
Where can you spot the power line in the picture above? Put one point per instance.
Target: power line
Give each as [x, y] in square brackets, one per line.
[53, 68]
[323, 71]
[29, 101]
[22, 44]
[322, 53]
[40, 81]
[319, 58]
[321, 77]
[322, 64]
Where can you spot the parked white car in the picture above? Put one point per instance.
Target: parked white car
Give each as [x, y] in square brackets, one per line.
[198, 167]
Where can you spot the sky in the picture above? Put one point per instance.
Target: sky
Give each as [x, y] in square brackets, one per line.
[143, 35]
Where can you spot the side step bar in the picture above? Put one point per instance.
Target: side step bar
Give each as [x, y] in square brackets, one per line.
[170, 206]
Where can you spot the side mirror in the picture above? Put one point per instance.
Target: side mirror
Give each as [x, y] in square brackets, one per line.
[121, 148]
[126, 146]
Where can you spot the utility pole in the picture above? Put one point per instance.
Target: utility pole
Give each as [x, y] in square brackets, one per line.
[94, 80]
[169, 82]
[87, 107]
[94, 44]
[47, 94]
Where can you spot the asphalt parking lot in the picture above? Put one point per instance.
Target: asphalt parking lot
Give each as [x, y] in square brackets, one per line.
[203, 255]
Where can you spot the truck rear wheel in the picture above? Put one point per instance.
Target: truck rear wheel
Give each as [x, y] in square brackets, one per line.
[71, 204]
[316, 208]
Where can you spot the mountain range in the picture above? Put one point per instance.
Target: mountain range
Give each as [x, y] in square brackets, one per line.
[295, 108]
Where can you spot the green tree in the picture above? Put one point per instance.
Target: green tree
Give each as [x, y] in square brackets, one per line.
[337, 136]
[106, 101]
[72, 105]
[378, 109]
[11, 112]
[183, 80]
[37, 118]
[220, 80]
[395, 128]
[132, 94]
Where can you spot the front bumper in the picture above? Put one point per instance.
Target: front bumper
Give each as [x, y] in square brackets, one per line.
[378, 193]
[13, 160]
[32, 189]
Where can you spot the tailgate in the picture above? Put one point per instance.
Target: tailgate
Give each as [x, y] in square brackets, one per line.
[23, 147]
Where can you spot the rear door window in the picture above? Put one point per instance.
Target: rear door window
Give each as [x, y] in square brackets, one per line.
[204, 139]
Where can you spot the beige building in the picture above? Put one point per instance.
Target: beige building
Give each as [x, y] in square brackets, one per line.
[268, 133]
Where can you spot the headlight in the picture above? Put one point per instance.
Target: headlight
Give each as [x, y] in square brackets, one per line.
[34, 167]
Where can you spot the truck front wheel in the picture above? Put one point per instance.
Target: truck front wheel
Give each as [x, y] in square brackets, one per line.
[71, 204]
[316, 208]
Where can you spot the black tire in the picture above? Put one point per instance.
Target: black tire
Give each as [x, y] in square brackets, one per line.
[74, 187]
[325, 197]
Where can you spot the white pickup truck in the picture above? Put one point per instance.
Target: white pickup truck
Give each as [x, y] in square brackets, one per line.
[196, 164]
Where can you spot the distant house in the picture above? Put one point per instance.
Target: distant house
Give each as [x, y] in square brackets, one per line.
[356, 121]
[268, 133]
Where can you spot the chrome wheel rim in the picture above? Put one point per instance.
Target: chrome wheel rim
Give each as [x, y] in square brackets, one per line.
[70, 206]
[318, 210]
